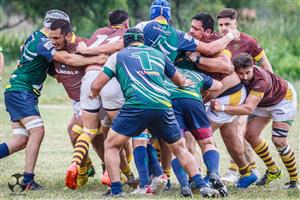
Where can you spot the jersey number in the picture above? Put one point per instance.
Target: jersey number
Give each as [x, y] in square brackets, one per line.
[144, 59]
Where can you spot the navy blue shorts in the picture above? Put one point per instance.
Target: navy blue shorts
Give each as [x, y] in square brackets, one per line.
[21, 104]
[191, 116]
[161, 123]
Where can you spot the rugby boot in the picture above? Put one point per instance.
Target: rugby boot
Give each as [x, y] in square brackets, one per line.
[216, 183]
[105, 179]
[32, 185]
[292, 185]
[268, 177]
[71, 176]
[186, 192]
[245, 181]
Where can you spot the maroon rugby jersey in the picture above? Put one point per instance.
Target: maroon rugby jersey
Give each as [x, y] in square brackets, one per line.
[70, 76]
[216, 75]
[105, 35]
[246, 44]
[270, 87]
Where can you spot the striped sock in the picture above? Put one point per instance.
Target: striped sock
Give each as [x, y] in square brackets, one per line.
[252, 165]
[288, 157]
[245, 171]
[168, 172]
[157, 148]
[81, 149]
[127, 171]
[263, 152]
[233, 166]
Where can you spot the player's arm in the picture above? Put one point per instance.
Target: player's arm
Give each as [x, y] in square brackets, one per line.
[108, 73]
[176, 77]
[220, 63]
[108, 48]
[264, 63]
[216, 46]
[243, 109]
[78, 60]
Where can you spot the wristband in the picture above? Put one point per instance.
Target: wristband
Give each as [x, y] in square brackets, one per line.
[222, 107]
[198, 60]
[230, 36]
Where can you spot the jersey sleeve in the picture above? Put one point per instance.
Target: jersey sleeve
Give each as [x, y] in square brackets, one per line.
[259, 88]
[186, 42]
[169, 68]
[207, 82]
[46, 49]
[257, 51]
[110, 66]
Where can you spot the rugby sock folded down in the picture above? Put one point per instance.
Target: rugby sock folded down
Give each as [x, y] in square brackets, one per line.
[81, 149]
[153, 161]
[4, 151]
[141, 161]
[180, 173]
[199, 181]
[288, 157]
[263, 152]
[211, 159]
[27, 177]
[116, 188]
[245, 171]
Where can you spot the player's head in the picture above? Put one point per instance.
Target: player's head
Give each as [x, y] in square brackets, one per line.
[53, 15]
[202, 25]
[227, 19]
[244, 66]
[133, 35]
[160, 7]
[119, 17]
[60, 34]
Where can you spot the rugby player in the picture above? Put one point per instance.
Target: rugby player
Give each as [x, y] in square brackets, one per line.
[70, 77]
[233, 92]
[140, 71]
[227, 19]
[24, 88]
[104, 39]
[269, 98]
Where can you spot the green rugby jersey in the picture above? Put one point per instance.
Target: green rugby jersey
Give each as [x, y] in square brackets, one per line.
[140, 71]
[164, 37]
[200, 80]
[35, 59]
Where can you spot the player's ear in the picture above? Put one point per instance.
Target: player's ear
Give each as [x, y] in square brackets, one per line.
[69, 36]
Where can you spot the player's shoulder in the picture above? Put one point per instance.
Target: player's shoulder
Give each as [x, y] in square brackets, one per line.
[141, 25]
[248, 38]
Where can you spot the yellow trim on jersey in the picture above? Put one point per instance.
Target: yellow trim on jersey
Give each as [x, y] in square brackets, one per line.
[73, 40]
[235, 98]
[227, 52]
[118, 26]
[289, 95]
[259, 56]
[44, 33]
[166, 103]
[256, 93]
[162, 21]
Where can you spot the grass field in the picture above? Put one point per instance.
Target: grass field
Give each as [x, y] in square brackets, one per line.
[56, 154]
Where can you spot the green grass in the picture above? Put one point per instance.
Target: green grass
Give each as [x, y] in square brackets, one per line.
[56, 154]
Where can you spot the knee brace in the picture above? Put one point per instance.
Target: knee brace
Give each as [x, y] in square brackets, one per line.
[38, 122]
[20, 131]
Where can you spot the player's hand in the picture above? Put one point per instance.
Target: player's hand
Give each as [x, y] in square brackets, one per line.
[192, 56]
[95, 90]
[102, 58]
[216, 105]
[94, 95]
[236, 34]
[81, 48]
[187, 83]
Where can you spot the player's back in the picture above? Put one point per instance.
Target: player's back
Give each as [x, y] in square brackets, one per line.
[164, 37]
[102, 36]
[140, 72]
[32, 69]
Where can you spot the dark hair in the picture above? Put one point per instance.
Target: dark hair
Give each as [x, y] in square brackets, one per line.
[206, 19]
[242, 60]
[63, 25]
[227, 13]
[133, 35]
[117, 17]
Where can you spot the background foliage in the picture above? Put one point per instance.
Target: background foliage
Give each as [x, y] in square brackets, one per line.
[276, 24]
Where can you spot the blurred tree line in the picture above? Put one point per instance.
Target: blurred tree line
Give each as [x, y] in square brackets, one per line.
[275, 23]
